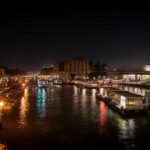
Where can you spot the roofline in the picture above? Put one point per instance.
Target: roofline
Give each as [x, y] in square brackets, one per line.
[131, 72]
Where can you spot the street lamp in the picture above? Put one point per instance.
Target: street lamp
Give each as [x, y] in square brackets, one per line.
[1, 113]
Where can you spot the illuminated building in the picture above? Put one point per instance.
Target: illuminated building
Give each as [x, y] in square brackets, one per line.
[126, 100]
[2, 75]
[2, 72]
[142, 90]
[131, 74]
[77, 66]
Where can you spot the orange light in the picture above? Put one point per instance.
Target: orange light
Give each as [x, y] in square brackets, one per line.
[1, 103]
[23, 84]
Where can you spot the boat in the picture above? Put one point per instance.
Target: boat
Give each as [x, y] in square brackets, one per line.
[126, 113]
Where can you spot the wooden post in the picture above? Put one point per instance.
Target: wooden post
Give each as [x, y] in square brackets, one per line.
[1, 115]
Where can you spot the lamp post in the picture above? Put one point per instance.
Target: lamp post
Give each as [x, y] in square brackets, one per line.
[1, 113]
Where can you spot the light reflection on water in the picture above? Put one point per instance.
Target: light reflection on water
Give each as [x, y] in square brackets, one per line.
[93, 101]
[84, 103]
[41, 102]
[127, 131]
[102, 111]
[73, 114]
[24, 108]
[75, 89]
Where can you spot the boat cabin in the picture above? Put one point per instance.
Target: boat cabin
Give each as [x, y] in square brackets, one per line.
[126, 100]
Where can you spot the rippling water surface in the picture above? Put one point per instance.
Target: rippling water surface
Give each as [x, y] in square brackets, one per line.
[70, 116]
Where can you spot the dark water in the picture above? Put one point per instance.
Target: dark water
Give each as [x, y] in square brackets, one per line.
[70, 117]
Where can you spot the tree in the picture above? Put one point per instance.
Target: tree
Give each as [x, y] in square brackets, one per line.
[72, 76]
[91, 64]
[97, 66]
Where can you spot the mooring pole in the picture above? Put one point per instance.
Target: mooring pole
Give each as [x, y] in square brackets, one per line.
[1, 114]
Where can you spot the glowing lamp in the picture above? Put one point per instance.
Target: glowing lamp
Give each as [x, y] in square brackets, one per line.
[147, 68]
[1, 104]
[23, 84]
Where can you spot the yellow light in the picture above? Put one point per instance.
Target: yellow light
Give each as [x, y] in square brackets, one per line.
[1, 103]
[147, 68]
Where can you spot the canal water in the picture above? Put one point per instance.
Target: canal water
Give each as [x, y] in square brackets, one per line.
[70, 117]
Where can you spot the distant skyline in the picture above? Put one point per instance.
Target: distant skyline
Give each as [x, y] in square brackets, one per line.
[113, 33]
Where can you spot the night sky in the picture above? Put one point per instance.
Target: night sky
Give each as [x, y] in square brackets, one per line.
[113, 33]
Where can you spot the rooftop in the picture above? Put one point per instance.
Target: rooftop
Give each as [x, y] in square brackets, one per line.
[126, 94]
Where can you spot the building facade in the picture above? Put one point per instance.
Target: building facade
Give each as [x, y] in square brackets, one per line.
[71, 67]
[77, 67]
[2, 72]
[131, 74]
[2, 75]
